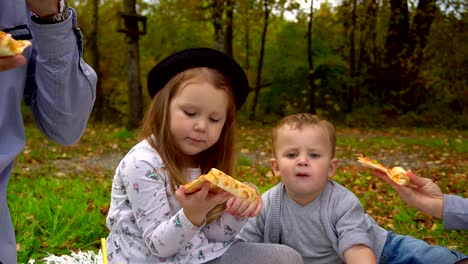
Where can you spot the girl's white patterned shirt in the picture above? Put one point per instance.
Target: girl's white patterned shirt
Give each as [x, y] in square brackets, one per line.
[147, 223]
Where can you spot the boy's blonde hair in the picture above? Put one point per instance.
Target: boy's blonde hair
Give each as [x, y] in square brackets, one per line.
[156, 129]
[297, 121]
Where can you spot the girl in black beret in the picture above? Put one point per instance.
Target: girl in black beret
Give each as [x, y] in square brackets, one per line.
[188, 129]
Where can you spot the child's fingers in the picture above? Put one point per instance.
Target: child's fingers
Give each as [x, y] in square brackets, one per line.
[245, 209]
[203, 192]
[220, 198]
[249, 210]
[229, 202]
[234, 206]
[254, 208]
[258, 208]
[180, 194]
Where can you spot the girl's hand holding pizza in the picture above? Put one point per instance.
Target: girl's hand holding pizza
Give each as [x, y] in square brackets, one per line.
[241, 208]
[198, 204]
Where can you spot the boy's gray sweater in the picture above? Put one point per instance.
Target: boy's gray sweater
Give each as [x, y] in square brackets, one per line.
[341, 215]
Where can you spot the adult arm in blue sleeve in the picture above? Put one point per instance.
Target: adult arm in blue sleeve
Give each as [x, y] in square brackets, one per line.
[455, 212]
[63, 85]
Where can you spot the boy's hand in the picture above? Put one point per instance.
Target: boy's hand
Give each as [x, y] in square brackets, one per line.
[198, 204]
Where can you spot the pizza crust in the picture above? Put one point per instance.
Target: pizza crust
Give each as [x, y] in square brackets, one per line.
[220, 181]
[396, 174]
[10, 46]
[197, 184]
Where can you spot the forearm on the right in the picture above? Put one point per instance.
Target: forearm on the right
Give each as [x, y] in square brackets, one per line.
[360, 254]
[431, 206]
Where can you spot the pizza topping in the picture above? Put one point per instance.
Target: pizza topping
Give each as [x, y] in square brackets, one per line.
[396, 174]
[220, 181]
[10, 47]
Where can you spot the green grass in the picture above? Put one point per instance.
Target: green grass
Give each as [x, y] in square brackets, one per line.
[59, 196]
[57, 215]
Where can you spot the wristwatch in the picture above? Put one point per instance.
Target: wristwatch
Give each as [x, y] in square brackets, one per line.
[57, 18]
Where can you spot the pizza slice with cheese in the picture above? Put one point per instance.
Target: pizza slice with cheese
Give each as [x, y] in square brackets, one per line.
[220, 181]
[396, 174]
[10, 47]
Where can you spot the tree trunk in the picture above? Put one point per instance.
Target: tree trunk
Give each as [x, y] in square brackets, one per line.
[420, 29]
[404, 55]
[218, 24]
[247, 38]
[312, 107]
[394, 68]
[229, 26]
[133, 56]
[352, 59]
[346, 29]
[260, 61]
[367, 64]
[99, 104]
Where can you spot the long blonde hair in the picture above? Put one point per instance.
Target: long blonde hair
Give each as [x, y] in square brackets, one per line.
[155, 129]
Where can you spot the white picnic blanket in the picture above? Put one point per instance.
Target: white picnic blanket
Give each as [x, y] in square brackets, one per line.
[87, 257]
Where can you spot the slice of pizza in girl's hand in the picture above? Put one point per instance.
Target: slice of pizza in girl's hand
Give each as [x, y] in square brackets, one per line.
[10, 47]
[396, 174]
[220, 181]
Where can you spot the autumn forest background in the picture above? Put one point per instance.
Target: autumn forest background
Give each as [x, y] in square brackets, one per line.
[372, 62]
[390, 74]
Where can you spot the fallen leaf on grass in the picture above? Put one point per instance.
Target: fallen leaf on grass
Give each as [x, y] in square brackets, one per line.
[105, 209]
[428, 223]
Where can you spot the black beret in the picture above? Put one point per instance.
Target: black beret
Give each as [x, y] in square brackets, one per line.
[200, 57]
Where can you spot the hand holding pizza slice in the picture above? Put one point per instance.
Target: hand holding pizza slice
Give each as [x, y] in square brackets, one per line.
[396, 174]
[11, 47]
[220, 181]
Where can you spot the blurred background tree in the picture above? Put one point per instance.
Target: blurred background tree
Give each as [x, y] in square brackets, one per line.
[358, 62]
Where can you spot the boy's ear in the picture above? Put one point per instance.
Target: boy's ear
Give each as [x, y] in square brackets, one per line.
[332, 169]
[274, 166]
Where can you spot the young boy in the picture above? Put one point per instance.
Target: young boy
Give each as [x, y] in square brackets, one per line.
[319, 218]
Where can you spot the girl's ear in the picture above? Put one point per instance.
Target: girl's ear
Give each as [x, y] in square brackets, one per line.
[332, 168]
[275, 167]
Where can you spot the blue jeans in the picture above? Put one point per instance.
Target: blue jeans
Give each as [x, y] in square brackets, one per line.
[399, 249]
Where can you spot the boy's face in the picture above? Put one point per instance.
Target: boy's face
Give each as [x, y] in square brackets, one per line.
[304, 162]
